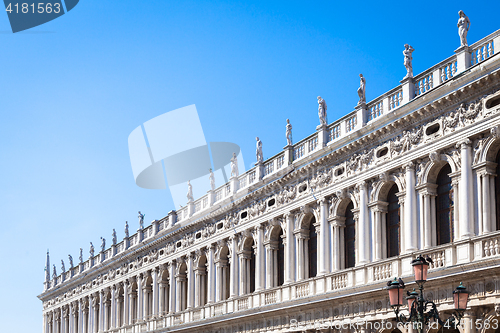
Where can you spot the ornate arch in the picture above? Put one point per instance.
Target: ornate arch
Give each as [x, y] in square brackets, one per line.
[342, 199]
[488, 148]
[381, 188]
[431, 170]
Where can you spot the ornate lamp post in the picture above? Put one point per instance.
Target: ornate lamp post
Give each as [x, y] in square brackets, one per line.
[421, 311]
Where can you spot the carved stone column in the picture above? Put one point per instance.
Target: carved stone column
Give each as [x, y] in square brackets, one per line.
[95, 313]
[210, 274]
[337, 225]
[190, 282]
[258, 234]
[156, 293]
[302, 270]
[233, 284]
[469, 321]
[466, 203]
[171, 275]
[410, 223]
[271, 263]
[244, 273]
[289, 249]
[324, 250]
[363, 241]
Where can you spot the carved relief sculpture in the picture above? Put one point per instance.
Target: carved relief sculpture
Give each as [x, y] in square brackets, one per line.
[322, 111]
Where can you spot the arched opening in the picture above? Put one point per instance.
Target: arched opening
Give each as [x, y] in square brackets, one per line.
[276, 257]
[222, 274]
[148, 297]
[133, 301]
[120, 302]
[201, 281]
[312, 245]
[281, 259]
[164, 293]
[182, 283]
[249, 269]
[393, 223]
[349, 237]
[444, 206]
[252, 269]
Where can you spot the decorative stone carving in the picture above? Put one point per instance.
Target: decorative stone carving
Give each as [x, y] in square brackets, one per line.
[288, 133]
[103, 244]
[189, 194]
[63, 270]
[478, 149]
[141, 216]
[361, 89]
[463, 27]
[234, 167]
[434, 156]
[70, 259]
[322, 111]
[212, 177]
[408, 60]
[91, 251]
[126, 229]
[114, 237]
[258, 151]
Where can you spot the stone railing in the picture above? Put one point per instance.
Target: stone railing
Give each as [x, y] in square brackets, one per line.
[449, 256]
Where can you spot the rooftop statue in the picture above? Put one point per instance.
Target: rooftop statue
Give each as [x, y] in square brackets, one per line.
[408, 59]
[258, 152]
[70, 258]
[141, 220]
[190, 192]
[91, 251]
[114, 237]
[103, 244]
[322, 111]
[63, 269]
[463, 27]
[81, 256]
[361, 89]
[288, 132]
[234, 166]
[54, 272]
[212, 178]
[126, 229]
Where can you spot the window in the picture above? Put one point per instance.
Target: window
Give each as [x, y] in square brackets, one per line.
[281, 259]
[444, 207]
[312, 247]
[349, 237]
[393, 223]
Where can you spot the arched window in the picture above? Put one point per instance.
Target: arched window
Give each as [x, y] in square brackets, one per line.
[281, 259]
[444, 206]
[349, 237]
[312, 248]
[252, 269]
[201, 286]
[182, 284]
[393, 223]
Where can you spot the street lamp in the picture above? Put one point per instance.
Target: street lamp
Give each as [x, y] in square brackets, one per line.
[420, 310]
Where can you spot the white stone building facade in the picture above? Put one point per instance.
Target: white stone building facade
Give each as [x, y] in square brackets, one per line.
[312, 235]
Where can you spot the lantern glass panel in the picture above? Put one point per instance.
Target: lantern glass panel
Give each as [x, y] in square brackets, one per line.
[420, 271]
[395, 296]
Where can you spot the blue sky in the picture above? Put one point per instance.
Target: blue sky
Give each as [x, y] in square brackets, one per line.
[73, 89]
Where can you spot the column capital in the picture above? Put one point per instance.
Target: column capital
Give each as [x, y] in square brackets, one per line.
[410, 166]
[465, 143]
